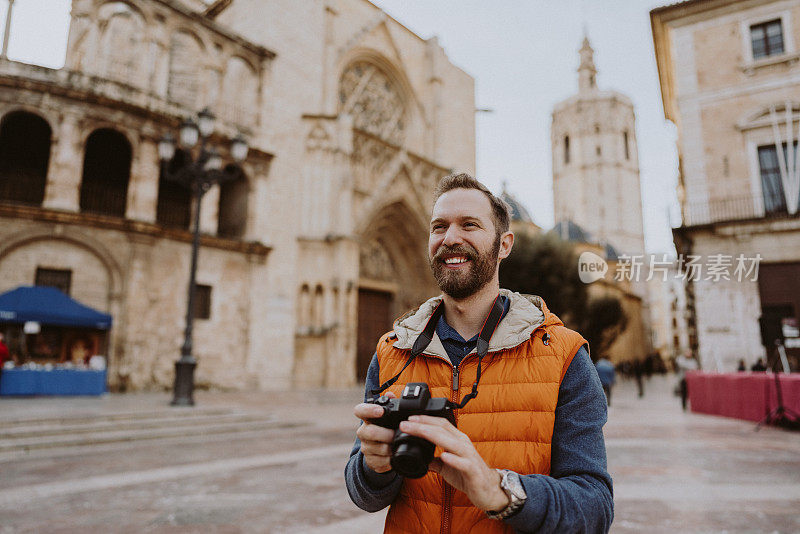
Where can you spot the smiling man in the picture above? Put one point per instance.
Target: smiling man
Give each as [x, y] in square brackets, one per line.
[526, 452]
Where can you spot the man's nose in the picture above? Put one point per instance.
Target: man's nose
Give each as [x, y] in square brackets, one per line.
[452, 236]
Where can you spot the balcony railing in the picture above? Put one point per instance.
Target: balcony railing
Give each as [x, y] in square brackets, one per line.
[739, 208]
[103, 200]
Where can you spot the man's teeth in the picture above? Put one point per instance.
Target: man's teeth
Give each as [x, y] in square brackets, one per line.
[451, 261]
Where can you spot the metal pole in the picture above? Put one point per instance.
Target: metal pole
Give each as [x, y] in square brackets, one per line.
[184, 367]
[7, 32]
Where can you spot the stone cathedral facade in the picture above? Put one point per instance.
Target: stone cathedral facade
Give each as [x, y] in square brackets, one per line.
[308, 255]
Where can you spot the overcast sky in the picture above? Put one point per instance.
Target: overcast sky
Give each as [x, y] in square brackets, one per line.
[523, 55]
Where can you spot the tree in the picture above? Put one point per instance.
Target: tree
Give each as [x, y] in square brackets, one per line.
[547, 266]
[604, 321]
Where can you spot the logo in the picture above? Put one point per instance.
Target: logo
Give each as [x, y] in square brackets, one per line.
[591, 267]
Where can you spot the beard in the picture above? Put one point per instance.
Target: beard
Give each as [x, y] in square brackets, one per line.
[460, 285]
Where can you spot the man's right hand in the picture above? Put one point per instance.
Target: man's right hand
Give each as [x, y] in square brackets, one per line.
[375, 440]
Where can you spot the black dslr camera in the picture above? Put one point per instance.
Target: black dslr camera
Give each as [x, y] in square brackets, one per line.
[411, 455]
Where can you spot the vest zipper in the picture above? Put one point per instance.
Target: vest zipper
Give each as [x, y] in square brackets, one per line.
[447, 489]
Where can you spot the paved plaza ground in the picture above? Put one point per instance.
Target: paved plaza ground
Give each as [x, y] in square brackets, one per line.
[272, 462]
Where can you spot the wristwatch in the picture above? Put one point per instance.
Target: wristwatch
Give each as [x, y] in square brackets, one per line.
[511, 484]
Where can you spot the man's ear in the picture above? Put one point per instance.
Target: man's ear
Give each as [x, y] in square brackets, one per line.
[506, 244]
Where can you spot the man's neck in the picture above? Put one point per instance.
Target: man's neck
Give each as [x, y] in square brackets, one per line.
[467, 315]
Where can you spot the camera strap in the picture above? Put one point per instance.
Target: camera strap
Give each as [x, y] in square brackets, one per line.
[420, 344]
[425, 338]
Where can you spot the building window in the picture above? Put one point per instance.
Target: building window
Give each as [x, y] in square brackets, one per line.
[771, 184]
[60, 279]
[597, 150]
[24, 157]
[232, 211]
[625, 144]
[174, 205]
[106, 172]
[767, 38]
[566, 150]
[202, 302]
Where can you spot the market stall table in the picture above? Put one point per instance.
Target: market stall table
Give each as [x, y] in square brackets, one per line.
[52, 382]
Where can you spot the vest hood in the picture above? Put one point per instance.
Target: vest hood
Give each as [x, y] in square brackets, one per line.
[526, 313]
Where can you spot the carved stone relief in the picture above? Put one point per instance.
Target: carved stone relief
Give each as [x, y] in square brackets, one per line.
[373, 100]
[375, 262]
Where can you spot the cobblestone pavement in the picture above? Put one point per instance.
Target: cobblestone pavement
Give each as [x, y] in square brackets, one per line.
[272, 462]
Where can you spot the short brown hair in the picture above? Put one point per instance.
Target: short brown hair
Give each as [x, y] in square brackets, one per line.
[501, 212]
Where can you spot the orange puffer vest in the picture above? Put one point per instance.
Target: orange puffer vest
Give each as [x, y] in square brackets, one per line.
[511, 420]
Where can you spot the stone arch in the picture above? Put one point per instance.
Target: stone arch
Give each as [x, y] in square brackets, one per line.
[106, 172]
[394, 251]
[239, 90]
[761, 116]
[394, 274]
[303, 315]
[393, 70]
[122, 42]
[186, 51]
[318, 308]
[25, 141]
[376, 94]
[75, 238]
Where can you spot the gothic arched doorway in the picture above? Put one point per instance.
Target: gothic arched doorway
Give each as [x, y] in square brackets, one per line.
[394, 275]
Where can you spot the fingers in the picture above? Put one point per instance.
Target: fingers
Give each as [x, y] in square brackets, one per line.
[375, 446]
[444, 435]
[369, 432]
[366, 411]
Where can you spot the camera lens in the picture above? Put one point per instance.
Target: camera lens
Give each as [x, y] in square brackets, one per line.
[411, 455]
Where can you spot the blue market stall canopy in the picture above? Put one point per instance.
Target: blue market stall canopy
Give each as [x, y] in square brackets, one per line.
[49, 306]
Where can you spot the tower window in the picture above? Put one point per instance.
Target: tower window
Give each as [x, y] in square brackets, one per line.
[566, 150]
[767, 38]
[625, 144]
[597, 149]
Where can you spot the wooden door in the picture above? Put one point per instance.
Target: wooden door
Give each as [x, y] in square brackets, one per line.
[374, 320]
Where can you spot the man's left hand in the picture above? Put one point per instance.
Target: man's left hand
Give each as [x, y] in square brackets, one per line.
[460, 464]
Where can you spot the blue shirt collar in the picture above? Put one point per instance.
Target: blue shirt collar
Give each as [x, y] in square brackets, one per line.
[448, 333]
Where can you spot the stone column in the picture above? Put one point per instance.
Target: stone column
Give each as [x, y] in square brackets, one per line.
[143, 185]
[65, 169]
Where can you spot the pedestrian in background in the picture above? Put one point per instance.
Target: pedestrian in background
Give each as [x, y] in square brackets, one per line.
[605, 369]
[685, 362]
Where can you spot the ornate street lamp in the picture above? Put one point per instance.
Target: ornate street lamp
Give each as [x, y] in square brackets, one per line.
[198, 175]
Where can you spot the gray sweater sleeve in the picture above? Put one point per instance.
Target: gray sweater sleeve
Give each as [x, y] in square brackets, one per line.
[369, 490]
[577, 496]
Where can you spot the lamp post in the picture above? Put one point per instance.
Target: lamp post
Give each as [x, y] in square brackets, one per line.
[198, 175]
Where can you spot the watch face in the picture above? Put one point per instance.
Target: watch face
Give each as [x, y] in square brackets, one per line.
[513, 486]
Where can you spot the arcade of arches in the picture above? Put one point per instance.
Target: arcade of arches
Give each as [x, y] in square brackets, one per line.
[310, 250]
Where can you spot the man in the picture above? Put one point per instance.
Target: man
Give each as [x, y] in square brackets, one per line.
[685, 362]
[527, 453]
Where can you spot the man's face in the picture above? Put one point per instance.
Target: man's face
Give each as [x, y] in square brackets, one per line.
[463, 245]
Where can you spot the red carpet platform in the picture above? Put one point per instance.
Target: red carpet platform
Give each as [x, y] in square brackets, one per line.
[748, 396]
